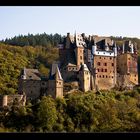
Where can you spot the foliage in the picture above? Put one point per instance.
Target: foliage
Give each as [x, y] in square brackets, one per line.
[15, 58]
[107, 111]
[47, 114]
[35, 40]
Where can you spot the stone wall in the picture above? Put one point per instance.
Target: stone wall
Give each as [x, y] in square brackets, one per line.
[8, 100]
[32, 88]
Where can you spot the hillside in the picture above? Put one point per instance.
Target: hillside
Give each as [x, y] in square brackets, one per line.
[15, 58]
[16, 54]
[104, 111]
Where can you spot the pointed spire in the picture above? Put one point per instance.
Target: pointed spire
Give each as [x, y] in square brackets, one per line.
[55, 72]
[75, 32]
[58, 74]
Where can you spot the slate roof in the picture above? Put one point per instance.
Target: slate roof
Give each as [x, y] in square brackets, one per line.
[55, 73]
[31, 74]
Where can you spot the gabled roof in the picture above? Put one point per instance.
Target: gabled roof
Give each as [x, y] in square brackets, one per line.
[101, 38]
[31, 74]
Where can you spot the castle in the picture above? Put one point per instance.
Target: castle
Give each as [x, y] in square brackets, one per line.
[91, 63]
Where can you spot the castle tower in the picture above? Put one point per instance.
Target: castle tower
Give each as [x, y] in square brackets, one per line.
[104, 53]
[55, 83]
[84, 78]
[127, 66]
[79, 50]
[22, 78]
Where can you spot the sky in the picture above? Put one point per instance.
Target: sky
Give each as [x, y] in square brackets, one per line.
[92, 20]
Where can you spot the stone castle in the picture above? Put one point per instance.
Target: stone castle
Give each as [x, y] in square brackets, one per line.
[90, 63]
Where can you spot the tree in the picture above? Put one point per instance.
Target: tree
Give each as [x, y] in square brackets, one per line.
[47, 114]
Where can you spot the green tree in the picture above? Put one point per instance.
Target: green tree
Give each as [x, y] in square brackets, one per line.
[47, 114]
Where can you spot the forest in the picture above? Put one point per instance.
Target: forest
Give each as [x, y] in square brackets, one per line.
[104, 111]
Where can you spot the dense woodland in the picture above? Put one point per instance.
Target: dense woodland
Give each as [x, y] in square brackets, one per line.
[104, 111]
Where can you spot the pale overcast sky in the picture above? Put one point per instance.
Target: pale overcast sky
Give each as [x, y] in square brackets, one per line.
[99, 20]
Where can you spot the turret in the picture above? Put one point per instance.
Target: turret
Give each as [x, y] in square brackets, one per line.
[55, 83]
[23, 74]
[132, 48]
[94, 48]
[115, 50]
[84, 78]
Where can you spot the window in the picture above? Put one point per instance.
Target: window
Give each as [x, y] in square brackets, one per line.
[73, 68]
[100, 76]
[112, 64]
[110, 53]
[106, 76]
[105, 64]
[110, 58]
[98, 52]
[102, 70]
[98, 70]
[43, 83]
[104, 57]
[112, 76]
[85, 57]
[69, 69]
[81, 57]
[98, 63]
[103, 76]
[100, 57]
[59, 83]
[105, 70]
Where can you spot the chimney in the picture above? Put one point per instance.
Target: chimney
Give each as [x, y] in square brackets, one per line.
[68, 34]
